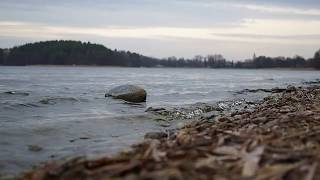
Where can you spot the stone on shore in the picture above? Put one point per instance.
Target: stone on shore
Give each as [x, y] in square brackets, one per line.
[291, 88]
[130, 93]
[155, 135]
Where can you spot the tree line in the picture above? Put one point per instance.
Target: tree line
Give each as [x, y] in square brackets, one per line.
[85, 53]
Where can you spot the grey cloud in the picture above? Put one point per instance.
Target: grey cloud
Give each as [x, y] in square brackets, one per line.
[155, 13]
[259, 36]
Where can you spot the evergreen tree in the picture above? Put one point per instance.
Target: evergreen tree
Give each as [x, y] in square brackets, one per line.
[1, 56]
[316, 60]
[86, 53]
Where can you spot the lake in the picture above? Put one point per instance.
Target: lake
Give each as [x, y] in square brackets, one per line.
[63, 109]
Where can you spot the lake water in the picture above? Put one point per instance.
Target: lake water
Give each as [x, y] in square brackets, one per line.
[64, 111]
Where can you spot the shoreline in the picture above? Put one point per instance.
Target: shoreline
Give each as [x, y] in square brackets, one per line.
[280, 137]
[103, 66]
[77, 110]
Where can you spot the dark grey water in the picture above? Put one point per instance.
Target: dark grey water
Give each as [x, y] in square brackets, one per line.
[63, 109]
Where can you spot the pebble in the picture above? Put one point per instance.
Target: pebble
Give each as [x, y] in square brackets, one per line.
[35, 148]
[306, 113]
[291, 88]
[209, 115]
[155, 135]
[237, 116]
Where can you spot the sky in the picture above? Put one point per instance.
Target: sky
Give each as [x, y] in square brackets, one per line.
[184, 28]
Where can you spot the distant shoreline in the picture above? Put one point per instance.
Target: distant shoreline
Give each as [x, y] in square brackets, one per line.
[76, 52]
[275, 68]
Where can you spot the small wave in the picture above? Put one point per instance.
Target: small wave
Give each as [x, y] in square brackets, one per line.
[10, 105]
[269, 79]
[186, 94]
[27, 105]
[314, 82]
[55, 100]
[17, 104]
[16, 93]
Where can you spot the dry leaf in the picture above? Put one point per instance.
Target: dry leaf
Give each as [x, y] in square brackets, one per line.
[227, 150]
[275, 171]
[251, 161]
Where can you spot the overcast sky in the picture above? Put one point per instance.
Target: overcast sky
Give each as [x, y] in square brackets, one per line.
[162, 28]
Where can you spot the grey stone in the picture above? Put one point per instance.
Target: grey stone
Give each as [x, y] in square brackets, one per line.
[35, 148]
[130, 93]
[278, 90]
[155, 135]
[291, 88]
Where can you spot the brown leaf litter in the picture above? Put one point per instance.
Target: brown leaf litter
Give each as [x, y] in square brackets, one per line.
[279, 140]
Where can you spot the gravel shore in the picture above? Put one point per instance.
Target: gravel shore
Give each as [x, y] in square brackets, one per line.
[279, 139]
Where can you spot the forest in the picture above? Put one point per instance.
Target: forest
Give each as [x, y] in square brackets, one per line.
[66, 52]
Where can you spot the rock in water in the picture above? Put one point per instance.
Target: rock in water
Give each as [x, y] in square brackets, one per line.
[291, 89]
[130, 93]
[34, 148]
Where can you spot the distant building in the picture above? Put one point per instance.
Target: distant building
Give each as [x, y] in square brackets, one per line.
[254, 56]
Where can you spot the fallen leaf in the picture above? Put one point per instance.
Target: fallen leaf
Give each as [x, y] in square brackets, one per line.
[251, 161]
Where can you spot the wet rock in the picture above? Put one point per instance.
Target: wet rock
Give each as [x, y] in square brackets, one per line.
[151, 109]
[254, 91]
[53, 156]
[35, 148]
[222, 107]
[291, 88]
[278, 90]
[314, 82]
[155, 135]
[209, 115]
[130, 93]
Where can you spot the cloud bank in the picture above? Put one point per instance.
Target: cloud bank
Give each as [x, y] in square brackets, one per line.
[180, 27]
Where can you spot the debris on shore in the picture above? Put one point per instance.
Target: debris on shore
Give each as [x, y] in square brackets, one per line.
[279, 139]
